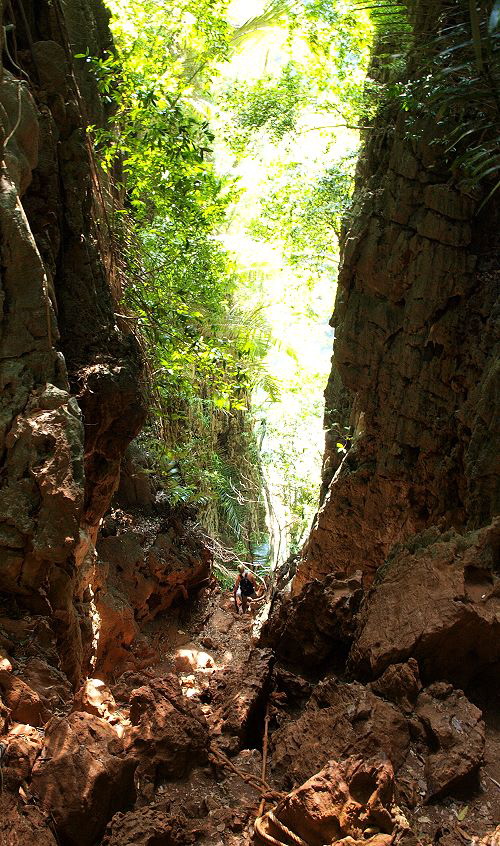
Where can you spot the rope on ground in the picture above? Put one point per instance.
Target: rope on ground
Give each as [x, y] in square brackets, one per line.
[267, 838]
[264, 758]
[493, 780]
[259, 822]
[285, 830]
[282, 828]
[265, 791]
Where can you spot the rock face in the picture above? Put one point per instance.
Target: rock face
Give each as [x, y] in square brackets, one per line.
[322, 619]
[82, 777]
[416, 345]
[69, 376]
[350, 720]
[147, 827]
[169, 734]
[412, 501]
[351, 800]
[434, 738]
[237, 721]
[437, 600]
[19, 826]
[455, 733]
[145, 563]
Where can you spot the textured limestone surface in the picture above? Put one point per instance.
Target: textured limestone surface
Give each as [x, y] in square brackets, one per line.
[322, 619]
[415, 367]
[69, 376]
[412, 502]
[345, 802]
[437, 601]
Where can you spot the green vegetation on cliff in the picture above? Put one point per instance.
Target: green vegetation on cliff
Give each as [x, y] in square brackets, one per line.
[208, 158]
[232, 144]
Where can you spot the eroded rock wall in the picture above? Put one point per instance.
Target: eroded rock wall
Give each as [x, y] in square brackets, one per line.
[70, 377]
[415, 368]
[412, 502]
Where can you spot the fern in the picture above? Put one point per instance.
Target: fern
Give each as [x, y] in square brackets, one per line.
[463, 88]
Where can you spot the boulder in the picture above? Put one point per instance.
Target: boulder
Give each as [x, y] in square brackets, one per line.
[49, 682]
[118, 630]
[95, 697]
[296, 689]
[191, 659]
[151, 575]
[23, 745]
[23, 824]
[24, 703]
[147, 827]
[82, 777]
[437, 600]
[169, 733]
[238, 700]
[400, 684]
[351, 800]
[455, 736]
[135, 488]
[350, 720]
[318, 624]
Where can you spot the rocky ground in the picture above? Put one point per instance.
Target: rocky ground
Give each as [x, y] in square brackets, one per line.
[172, 753]
[378, 682]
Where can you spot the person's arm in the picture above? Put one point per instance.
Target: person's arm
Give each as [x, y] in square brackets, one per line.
[236, 586]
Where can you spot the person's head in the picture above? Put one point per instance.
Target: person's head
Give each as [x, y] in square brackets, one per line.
[241, 568]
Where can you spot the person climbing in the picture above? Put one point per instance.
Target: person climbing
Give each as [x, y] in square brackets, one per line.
[245, 588]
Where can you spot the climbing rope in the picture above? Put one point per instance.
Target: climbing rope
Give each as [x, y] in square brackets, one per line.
[265, 790]
[4, 748]
[283, 829]
[286, 831]
[267, 838]
[266, 794]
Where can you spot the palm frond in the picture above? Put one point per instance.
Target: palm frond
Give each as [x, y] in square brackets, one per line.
[273, 15]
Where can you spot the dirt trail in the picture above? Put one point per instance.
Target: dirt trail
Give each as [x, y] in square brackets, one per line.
[210, 648]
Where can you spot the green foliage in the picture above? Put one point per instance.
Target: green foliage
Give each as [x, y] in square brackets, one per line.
[284, 119]
[270, 105]
[203, 354]
[466, 93]
[287, 454]
[327, 48]
[453, 75]
[309, 212]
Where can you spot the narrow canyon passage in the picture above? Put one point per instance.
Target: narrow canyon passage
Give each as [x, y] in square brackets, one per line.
[185, 187]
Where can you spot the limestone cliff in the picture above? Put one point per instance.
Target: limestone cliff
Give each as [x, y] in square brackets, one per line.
[415, 371]
[70, 376]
